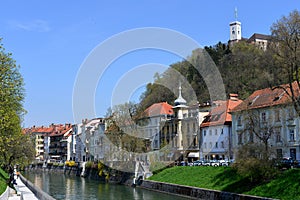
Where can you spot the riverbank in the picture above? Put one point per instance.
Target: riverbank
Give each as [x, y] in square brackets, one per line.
[64, 186]
[285, 186]
[106, 176]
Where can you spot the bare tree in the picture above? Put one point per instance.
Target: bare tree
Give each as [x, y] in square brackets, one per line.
[286, 48]
[260, 126]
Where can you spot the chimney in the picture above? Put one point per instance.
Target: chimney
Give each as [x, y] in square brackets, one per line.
[233, 97]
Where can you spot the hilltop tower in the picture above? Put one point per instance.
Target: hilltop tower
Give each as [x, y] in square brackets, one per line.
[235, 29]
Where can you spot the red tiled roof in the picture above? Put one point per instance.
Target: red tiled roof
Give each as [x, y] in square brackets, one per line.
[220, 115]
[268, 97]
[52, 130]
[156, 109]
[60, 130]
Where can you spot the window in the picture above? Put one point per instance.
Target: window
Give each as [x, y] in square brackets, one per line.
[210, 132]
[239, 138]
[277, 135]
[239, 121]
[277, 115]
[292, 135]
[210, 145]
[222, 144]
[216, 131]
[293, 153]
[251, 137]
[290, 113]
[222, 131]
[216, 145]
[204, 132]
[279, 153]
[205, 145]
[263, 117]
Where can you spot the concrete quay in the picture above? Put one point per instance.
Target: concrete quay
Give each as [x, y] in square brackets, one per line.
[23, 192]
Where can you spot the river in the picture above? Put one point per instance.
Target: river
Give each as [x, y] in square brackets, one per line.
[70, 187]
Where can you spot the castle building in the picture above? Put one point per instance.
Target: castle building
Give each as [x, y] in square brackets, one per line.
[235, 35]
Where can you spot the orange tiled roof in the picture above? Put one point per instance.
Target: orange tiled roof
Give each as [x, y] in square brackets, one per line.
[268, 97]
[156, 109]
[220, 115]
[52, 130]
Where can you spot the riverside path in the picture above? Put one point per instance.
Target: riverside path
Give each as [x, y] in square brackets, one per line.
[23, 192]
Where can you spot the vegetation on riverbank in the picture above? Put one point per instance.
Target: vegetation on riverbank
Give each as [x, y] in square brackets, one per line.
[3, 180]
[285, 186]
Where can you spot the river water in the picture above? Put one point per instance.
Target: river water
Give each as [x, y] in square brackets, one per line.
[63, 186]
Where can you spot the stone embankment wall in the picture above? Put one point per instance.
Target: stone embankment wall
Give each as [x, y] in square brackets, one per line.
[40, 194]
[194, 192]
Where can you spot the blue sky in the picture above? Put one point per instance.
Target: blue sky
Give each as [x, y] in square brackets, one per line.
[51, 39]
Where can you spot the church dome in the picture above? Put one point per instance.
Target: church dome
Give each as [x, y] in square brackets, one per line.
[180, 100]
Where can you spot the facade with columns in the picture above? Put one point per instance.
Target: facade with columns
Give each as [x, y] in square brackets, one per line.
[179, 134]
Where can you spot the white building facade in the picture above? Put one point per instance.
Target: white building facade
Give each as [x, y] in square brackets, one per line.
[275, 115]
[216, 131]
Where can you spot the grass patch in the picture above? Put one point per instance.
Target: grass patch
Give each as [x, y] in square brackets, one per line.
[3, 177]
[285, 186]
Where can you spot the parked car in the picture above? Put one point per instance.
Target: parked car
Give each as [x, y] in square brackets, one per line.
[184, 163]
[197, 163]
[287, 163]
[224, 163]
[214, 163]
[206, 163]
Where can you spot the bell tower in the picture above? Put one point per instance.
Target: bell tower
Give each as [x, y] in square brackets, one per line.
[235, 29]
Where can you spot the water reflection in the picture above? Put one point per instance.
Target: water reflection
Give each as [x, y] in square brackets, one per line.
[70, 187]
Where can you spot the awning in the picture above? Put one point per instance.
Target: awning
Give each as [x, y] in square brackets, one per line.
[193, 155]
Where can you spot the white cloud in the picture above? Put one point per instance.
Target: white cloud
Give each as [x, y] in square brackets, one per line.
[36, 25]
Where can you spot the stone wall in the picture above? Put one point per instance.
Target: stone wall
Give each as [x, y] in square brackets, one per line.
[194, 192]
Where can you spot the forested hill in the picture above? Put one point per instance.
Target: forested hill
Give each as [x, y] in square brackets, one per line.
[244, 68]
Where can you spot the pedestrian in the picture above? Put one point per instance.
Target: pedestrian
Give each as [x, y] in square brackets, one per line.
[18, 174]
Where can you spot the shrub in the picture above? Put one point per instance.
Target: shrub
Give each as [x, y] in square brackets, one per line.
[250, 164]
[88, 164]
[71, 163]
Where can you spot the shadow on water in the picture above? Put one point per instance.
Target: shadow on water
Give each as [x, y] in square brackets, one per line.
[70, 187]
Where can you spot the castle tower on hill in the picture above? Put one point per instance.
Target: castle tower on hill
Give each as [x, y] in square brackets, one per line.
[235, 30]
[259, 40]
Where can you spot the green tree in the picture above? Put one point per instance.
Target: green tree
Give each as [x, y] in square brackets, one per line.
[217, 51]
[285, 47]
[12, 147]
[244, 70]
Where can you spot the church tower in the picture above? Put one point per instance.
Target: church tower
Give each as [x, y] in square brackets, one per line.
[235, 29]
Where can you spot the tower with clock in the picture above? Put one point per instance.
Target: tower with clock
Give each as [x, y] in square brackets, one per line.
[235, 29]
